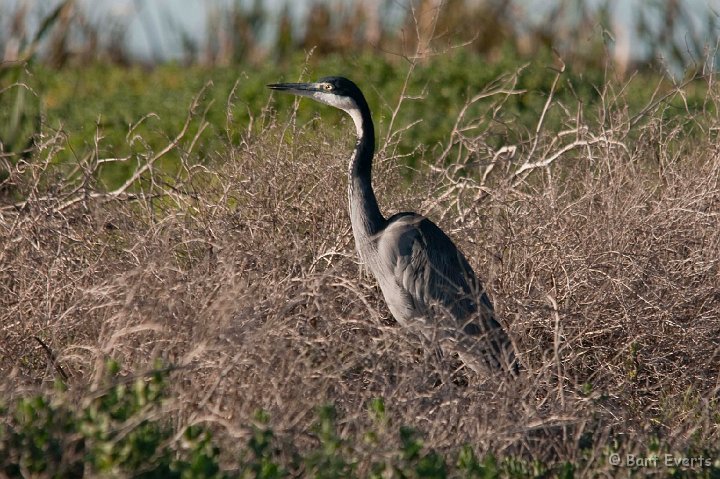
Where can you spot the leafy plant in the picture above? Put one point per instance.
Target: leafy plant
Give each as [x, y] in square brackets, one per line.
[114, 432]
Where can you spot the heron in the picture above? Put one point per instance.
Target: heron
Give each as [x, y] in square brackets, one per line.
[425, 279]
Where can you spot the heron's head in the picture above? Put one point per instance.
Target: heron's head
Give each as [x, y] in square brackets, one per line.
[334, 91]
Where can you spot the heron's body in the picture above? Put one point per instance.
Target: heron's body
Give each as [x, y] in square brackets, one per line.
[425, 279]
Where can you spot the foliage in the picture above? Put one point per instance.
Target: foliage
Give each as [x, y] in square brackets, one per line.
[237, 32]
[114, 431]
[226, 274]
[121, 431]
[114, 112]
[588, 205]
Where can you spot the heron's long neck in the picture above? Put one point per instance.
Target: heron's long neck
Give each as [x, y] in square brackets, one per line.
[365, 214]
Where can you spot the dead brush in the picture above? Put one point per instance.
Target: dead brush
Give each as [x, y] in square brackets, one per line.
[599, 245]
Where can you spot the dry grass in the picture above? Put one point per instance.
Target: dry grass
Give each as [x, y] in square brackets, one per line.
[604, 264]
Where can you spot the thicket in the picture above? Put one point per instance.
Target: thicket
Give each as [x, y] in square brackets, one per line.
[121, 430]
[76, 77]
[204, 224]
[599, 245]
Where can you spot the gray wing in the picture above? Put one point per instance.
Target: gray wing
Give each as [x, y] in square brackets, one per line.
[433, 273]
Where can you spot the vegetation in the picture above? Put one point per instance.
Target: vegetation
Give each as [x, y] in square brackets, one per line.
[599, 248]
[119, 431]
[121, 106]
[180, 296]
[116, 432]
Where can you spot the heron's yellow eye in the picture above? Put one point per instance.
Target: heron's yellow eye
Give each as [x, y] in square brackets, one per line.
[327, 86]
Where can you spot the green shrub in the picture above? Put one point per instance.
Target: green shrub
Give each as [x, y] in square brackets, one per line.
[134, 112]
[116, 432]
[122, 431]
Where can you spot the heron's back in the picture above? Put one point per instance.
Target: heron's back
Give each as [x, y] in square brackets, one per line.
[428, 283]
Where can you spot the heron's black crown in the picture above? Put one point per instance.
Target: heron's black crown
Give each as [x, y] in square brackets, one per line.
[341, 86]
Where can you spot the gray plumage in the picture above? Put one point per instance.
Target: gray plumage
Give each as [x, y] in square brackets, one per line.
[427, 282]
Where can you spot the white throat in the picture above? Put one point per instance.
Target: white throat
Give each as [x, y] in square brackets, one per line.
[346, 104]
[357, 119]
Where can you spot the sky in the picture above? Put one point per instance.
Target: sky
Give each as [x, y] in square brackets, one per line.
[153, 26]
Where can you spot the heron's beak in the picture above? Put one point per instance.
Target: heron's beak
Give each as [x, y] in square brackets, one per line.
[300, 89]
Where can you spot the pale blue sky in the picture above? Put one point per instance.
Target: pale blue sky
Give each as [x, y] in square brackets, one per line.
[154, 25]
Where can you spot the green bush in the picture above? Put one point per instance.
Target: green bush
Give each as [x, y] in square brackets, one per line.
[114, 432]
[122, 431]
[134, 112]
